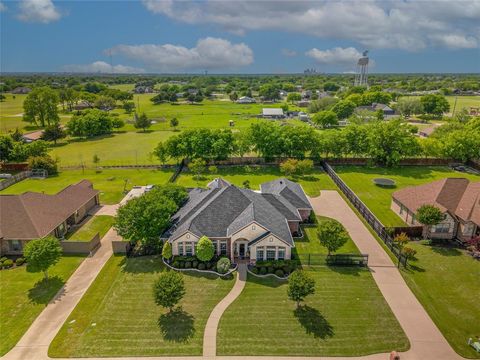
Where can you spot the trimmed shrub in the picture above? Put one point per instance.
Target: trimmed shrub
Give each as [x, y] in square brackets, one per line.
[7, 263]
[176, 264]
[181, 264]
[201, 266]
[279, 273]
[2, 259]
[263, 270]
[208, 265]
[255, 270]
[223, 265]
[20, 261]
[286, 269]
[188, 264]
[195, 264]
[271, 269]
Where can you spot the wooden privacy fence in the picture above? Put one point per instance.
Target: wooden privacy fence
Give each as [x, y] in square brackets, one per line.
[333, 259]
[80, 247]
[369, 217]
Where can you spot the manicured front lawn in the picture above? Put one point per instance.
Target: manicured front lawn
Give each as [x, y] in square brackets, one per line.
[378, 199]
[24, 295]
[312, 184]
[118, 316]
[447, 283]
[346, 316]
[96, 224]
[310, 244]
[110, 182]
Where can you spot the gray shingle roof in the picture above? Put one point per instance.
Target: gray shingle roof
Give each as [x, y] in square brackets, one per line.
[290, 190]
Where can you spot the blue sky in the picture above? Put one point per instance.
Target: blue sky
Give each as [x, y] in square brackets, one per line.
[238, 37]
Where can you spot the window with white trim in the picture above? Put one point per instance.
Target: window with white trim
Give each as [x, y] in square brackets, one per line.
[271, 253]
[215, 245]
[223, 247]
[15, 245]
[442, 228]
[188, 249]
[180, 248]
[260, 253]
[281, 253]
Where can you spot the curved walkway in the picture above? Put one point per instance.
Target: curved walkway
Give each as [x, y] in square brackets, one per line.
[210, 334]
[427, 342]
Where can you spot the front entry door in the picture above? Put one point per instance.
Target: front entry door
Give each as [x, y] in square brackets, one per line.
[241, 250]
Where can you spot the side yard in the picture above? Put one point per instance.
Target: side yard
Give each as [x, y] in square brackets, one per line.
[96, 224]
[24, 295]
[118, 316]
[257, 175]
[346, 316]
[110, 182]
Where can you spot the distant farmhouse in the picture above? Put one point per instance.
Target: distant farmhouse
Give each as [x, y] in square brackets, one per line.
[387, 110]
[242, 223]
[35, 215]
[143, 90]
[21, 90]
[272, 113]
[245, 100]
[457, 198]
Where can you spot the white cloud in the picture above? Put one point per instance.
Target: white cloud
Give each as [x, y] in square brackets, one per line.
[102, 67]
[289, 53]
[209, 53]
[42, 11]
[336, 56]
[411, 25]
[2, 7]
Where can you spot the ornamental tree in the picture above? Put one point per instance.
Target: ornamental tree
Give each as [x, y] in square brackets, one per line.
[332, 235]
[41, 254]
[401, 240]
[40, 107]
[167, 250]
[205, 249]
[325, 118]
[429, 215]
[300, 285]
[169, 289]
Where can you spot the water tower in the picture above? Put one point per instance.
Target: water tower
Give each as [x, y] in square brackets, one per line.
[361, 76]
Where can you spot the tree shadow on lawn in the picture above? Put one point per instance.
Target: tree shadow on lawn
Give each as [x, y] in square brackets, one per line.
[208, 275]
[177, 325]
[445, 250]
[142, 265]
[348, 270]
[313, 322]
[43, 290]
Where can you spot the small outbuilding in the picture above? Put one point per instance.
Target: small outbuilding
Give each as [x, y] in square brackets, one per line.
[273, 113]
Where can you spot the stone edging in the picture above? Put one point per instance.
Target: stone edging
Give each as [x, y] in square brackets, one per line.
[201, 271]
[267, 275]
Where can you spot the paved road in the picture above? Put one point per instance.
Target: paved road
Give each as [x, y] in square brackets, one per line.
[427, 342]
[210, 334]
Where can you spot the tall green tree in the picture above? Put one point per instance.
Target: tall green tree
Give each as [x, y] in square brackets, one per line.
[436, 105]
[40, 107]
[41, 254]
[428, 216]
[169, 289]
[53, 133]
[332, 235]
[325, 118]
[300, 285]
[204, 249]
[142, 122]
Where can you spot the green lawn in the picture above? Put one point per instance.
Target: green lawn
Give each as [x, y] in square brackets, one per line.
[130, 148]
[110, 182]
[347, 316]
[312, 184]
[118, 316]
[378, 199]
[96, 224]
[310, 244]
[446, 281]
[24, 295]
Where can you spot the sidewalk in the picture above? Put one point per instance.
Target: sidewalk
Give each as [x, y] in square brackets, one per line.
[35, 342]
[427, 342]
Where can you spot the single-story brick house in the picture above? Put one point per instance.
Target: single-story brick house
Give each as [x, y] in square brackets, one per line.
[34, 215]
[242, 223]
[457, 198]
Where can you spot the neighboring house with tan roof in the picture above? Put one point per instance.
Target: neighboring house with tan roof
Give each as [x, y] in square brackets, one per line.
[34, 215]
[457, 198]
[242, 223]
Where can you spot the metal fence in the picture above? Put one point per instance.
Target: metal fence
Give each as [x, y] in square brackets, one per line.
[369, 217]
[14, 179]
[333, 260]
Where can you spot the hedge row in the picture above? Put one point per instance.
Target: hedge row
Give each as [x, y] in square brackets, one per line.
[6, 263]
[191, 262]
[280, 268]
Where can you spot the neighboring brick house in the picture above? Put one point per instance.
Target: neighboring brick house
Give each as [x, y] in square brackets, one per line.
[35, 215]
[242, 223]
[457, 198]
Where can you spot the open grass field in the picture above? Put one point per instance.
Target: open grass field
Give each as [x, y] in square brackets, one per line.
[24, 295]
[310, 244]
[378, 199]
[312, 184]
[118, 316]
[463, 102]
[110, 182]
[96, 224]
[446, 281]
[11, 110]
[130, 148]
[346, 316]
